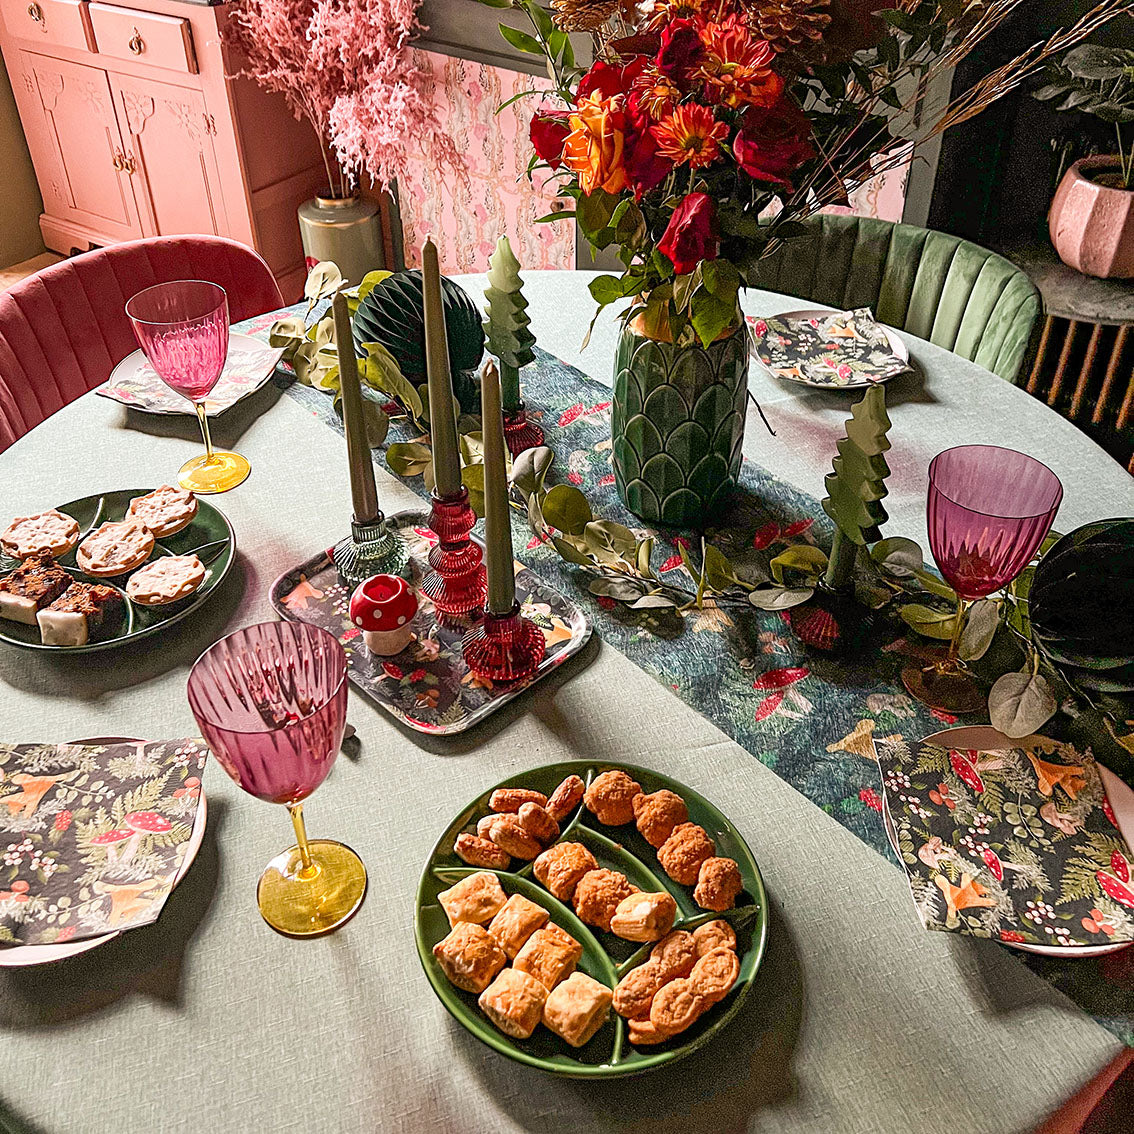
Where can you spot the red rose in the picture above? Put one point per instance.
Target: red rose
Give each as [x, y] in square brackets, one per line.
[607, 80]
[548, 132]
[691, 234]
[646, 168]
[681, 52]
[773, 143]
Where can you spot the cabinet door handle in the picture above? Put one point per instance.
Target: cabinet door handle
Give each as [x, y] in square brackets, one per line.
[119, 162]
[137, 44]
[36, 13]
[128, 164]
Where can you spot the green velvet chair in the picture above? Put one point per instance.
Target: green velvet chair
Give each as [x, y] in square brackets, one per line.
[938, 287]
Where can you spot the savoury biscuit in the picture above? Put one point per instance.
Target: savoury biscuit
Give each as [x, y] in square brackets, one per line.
[577, 1008]
[514, 1003]
[644, 917]
[549, 955]
[561, 867]
[715, 934]
[165, 580]
[642, 1032]
[718, 884]
[469, 957]
[676, 1006]
[477, 898]
[565, 798]
[538, 823]
[115, 548]
[164, 511]
[714, 974]
[480, 852]
[611, 797]
[508, 833]
[598, 894]
[683, 852]
[508, 800]
[635, 992]
[657, 814]
[517, 920]
[42, 533]
[676, 953]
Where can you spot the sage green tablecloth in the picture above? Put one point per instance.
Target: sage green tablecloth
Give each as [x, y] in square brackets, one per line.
[859, 1022]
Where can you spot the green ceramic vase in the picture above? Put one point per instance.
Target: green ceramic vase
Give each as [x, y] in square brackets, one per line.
[677, 425]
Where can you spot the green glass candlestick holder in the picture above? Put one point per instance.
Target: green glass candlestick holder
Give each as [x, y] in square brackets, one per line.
[370, 549]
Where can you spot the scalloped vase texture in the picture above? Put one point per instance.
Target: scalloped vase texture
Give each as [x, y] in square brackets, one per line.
[1092, 225]
[677, 425]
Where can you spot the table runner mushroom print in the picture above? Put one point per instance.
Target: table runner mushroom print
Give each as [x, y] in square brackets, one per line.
[92, 836]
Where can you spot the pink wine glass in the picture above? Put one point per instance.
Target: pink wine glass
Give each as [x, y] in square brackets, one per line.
[270, 701]
[182, 328]
[988, 511]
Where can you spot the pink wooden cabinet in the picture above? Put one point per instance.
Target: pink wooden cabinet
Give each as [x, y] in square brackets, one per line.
[135, 129]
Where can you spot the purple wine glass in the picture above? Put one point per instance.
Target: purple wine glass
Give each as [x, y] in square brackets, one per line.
[270, 701]
[182, 328]
[988, 511]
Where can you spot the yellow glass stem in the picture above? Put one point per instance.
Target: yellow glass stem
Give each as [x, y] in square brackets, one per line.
[307, 869]
[953, 657]
[203, 418]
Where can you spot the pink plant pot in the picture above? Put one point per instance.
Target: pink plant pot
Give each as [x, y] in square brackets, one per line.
[1092, 225]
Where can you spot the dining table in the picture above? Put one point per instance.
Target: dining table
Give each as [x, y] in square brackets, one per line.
[859, 1020]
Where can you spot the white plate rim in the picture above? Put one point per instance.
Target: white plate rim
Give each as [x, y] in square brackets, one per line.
[897, 345]
[244, 342]
[20, 956]
[1120, 794]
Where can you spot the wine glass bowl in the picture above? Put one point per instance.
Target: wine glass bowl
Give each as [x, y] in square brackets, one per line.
[182, 328]
[988, 511]
[270, 701]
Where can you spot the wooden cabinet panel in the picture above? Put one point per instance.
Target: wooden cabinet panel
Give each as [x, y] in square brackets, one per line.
[170, 136]
[162, 41]
[52, 23]
[76, 147]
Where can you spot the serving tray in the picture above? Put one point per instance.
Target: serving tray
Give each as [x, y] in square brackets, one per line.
[210, 536]
[427, 686]
[606, 958]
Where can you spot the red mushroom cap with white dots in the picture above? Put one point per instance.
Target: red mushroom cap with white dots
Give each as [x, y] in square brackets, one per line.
[780, 678]
[149, 822]
[382, 602]
[109, 837]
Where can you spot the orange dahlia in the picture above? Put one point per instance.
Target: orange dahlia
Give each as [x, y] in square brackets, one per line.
[737, 68]
[657, 93]
[664, 11]
[690, 134]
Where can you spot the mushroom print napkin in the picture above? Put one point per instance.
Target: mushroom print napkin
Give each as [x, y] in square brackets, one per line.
[845, 349]
[92, 836]
[248, 366]
[1018, 844]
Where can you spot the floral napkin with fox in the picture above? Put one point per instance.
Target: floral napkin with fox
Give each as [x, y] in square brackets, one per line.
[846, 349]
[93, 836]
[1016, 843]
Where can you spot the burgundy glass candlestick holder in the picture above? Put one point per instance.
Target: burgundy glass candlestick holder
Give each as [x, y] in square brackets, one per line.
[504, 647]
[519, 433]
[456, 583]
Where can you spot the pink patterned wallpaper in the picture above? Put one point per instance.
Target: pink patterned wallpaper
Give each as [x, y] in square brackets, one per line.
[466, 220]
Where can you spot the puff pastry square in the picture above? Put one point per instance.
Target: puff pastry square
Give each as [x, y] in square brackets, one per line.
[577, 1008]
[514, 1003]
[516, 922]
[469, 956]
[549, 955]
[477, 898]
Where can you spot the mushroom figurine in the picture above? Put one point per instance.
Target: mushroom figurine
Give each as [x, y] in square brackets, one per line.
[382, 607]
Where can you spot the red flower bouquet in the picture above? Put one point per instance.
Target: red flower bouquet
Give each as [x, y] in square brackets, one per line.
[704, 130]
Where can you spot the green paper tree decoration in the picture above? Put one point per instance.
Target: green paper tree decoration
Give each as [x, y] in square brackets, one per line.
[856, 487]
[509, 338]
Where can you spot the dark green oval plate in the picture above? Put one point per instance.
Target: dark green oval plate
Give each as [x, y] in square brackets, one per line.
[605, 957]
[210, 536]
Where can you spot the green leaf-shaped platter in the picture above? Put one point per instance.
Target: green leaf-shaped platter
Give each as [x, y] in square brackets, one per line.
[605, 957]
[210, 536]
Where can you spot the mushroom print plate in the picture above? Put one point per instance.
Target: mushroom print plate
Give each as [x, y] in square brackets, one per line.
[1025, 841]
[426, 686]
[605, 957]
[209, 536]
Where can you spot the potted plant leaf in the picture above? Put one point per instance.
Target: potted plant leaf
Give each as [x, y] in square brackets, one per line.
[1092, 215]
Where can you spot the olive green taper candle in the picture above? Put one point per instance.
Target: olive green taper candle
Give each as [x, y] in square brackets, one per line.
[363, 493]
[497, 525]
[442, 423]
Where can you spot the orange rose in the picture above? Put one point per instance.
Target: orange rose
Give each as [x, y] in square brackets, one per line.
[595, 148]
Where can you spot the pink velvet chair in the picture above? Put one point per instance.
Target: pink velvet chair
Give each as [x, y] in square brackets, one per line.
[64, 329]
